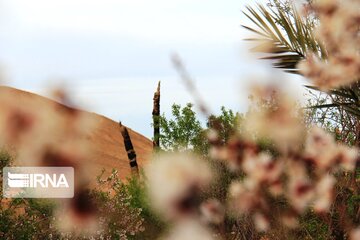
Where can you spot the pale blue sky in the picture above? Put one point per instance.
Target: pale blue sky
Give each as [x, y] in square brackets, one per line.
[111, 53]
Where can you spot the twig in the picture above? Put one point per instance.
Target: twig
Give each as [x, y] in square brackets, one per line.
[189, 83]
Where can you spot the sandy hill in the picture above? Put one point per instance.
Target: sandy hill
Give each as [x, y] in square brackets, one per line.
[108, 146]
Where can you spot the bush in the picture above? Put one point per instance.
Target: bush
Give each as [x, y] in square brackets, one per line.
[119, 215]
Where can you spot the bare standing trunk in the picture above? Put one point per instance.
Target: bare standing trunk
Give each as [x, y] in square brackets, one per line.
[156, 118]
[129, 150]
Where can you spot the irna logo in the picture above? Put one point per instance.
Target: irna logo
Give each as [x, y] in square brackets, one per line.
[38, 182]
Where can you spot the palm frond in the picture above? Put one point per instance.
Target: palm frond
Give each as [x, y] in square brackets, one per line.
[285, 38]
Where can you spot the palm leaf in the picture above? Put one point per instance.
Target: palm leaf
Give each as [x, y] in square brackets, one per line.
[289, 36]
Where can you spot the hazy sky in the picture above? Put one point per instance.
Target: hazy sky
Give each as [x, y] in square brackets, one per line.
[111, 53]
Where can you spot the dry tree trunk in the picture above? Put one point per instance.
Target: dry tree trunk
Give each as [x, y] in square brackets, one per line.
[129, 150]
[156, 118]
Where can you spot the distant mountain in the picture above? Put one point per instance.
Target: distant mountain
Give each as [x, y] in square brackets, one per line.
[106, 140]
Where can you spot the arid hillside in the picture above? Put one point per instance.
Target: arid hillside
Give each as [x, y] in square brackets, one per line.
[108, 149]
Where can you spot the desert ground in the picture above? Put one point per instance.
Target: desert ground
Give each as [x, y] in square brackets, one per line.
[106, 141]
